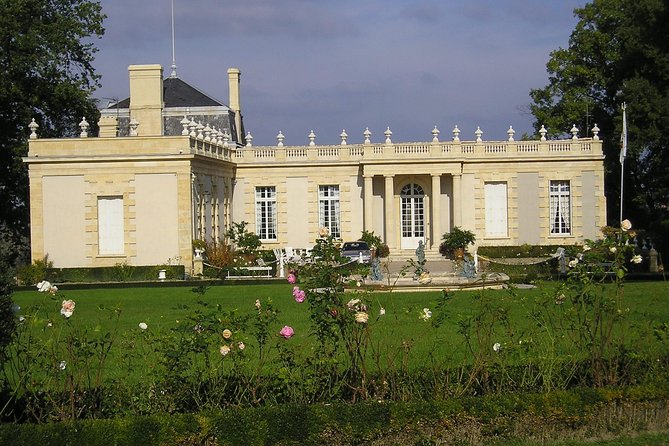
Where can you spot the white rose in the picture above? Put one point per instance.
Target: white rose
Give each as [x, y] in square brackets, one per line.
[613, 249]
[352, 303]
[143, 325]
[44, 286]
[224, 350]
[625, 225]
[573, 263]
[637, 259]
[361, 317]
[496, 346]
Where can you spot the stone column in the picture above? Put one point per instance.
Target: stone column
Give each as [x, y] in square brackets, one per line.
[214, 210]
[389, 201]
[227, 197]
[436, 210]
[368, 203]
[457, 199]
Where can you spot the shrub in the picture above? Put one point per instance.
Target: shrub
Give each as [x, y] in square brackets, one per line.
[457, 239]
[244, 241]
[36, 272]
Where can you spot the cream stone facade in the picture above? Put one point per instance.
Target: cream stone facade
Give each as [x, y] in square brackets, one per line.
[142, 199]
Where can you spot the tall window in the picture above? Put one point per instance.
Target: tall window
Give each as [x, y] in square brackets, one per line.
[413, 212]
[560, 207]
[266, 212]
[111, 239]
[495, 209]
[328, 209]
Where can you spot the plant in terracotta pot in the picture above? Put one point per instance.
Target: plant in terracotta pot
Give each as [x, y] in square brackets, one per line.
[455, 242]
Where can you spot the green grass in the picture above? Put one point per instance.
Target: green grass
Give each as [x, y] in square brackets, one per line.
[642, 439]
[400, 332]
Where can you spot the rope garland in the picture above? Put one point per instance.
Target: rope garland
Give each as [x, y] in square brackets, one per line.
[501, 262]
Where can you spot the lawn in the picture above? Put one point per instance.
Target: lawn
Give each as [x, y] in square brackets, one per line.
[399, 335]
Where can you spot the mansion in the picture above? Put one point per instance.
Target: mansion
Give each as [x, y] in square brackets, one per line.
[171, 165]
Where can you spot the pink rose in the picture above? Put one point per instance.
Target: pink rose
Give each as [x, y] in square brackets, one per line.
[292, 278]
[67, 308]
[287, 332]
[299, 295]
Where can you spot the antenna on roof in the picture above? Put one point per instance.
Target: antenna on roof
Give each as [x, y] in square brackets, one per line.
[174, 60]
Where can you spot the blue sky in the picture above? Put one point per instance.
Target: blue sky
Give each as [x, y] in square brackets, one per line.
[327, 65]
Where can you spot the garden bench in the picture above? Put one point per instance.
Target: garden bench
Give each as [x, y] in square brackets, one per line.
[254, 271]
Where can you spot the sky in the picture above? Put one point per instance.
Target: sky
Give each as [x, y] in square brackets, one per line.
[329, 65]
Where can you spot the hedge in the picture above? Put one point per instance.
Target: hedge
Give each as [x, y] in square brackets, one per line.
[494, 417]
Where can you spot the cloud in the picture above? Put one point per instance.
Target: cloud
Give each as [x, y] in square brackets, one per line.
[422, 12]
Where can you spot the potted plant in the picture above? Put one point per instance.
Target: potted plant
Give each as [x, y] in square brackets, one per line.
[454, 242]
[199, 247]
[376, 245]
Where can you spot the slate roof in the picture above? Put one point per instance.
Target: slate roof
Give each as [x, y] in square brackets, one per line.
[177, 93]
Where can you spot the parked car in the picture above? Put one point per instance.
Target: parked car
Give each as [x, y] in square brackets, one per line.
[357, 251]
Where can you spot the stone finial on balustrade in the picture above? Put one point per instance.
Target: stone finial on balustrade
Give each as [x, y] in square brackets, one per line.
[595, 133]
[511, 132]
[542, 132]
[312, 138]
[367, 135]
[192, 125]
[226, 137]
[249, 139]
[219, 137]
[343, 137]
[207, 132]
[134, 124]
[33, 126]
[388, 134]
[83, 125]
[435, 134]
[184, 123]
[214, 135]
[456, 133]
[279, 139]
[199, 129]
[478, 133]
[574, 132]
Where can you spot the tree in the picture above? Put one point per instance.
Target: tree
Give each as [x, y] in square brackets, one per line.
[46, 73]
[618, 53]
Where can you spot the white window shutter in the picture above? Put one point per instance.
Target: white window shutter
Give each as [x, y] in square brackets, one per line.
[496, 209]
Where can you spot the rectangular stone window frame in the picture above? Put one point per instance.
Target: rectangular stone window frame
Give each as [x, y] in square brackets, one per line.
[559, 207]
[329, 209]
[496, 209]
[111, 226]
[266, 212]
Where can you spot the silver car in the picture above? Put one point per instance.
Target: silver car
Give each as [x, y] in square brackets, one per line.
[358, 251]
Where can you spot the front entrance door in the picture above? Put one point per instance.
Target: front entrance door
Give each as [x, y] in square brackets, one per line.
[413, 215]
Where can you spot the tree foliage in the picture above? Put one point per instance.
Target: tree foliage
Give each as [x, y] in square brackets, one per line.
[46, 73]
[618, 53]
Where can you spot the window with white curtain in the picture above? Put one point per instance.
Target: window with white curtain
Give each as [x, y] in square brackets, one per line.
[328, 209]
[111, 237]
[266, 224]
[560, 207]
[495, 209]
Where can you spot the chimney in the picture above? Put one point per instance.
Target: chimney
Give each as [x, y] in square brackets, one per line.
[233, 83]
[146, 98]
